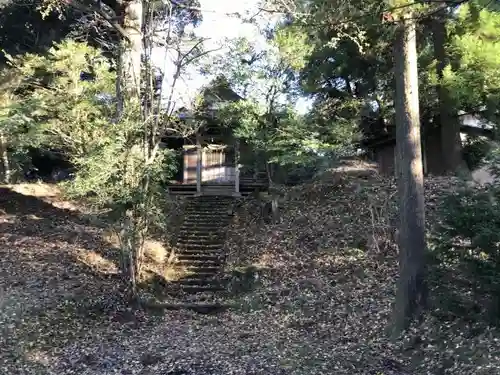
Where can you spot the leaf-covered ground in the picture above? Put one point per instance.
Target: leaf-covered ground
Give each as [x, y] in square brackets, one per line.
[328, 275]
[321, 305]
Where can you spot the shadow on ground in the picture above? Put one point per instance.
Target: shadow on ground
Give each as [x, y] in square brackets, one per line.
[56, 280]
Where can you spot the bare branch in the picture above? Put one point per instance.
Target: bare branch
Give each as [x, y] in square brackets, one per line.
[192, 49]
[204, 53]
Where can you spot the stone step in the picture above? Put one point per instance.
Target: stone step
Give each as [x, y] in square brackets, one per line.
[201, 243]
[208, 210]
[200, 220]
[201, 247]
[211, 202]
[207, 217]
[212, 198]
[204, 239]
[201, 230]
[206, 277]
[212, 253]
[224, 210]
[201, 250]
[199, 234]
[218, 192]
[198, 250]
[208, 244]
[198, 246]
[203, 257]
[219, 208]
[210, 262]
[214, 222]
[189, 288]
[199, 269]
[201, 253]
[217, 222]
[203, 225]
[201, 240]
[184, 242]
[221, 198]
[216, 219]
[210, 206]
[199, 263]
[215, 253]
[213, 270]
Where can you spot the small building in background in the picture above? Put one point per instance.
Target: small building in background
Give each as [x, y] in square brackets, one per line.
[381, 148]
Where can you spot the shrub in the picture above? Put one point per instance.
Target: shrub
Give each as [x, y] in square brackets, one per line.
[467, 242]
[475, 151]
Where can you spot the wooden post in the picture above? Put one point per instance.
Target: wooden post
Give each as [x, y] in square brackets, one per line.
[185, 164]
[237, 167]
[221, 172]
[198, 164]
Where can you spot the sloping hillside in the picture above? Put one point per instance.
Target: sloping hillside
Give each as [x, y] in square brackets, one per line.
[327, 276]
[320, 305]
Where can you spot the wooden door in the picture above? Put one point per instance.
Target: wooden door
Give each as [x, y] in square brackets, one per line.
[190, 161]
[217, 166]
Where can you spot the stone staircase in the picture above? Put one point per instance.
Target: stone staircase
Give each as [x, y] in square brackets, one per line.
[200, 245]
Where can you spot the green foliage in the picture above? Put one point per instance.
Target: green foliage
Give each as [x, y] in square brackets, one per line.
[284, 138]
[49, 105]
[111, 175]
[473, 78]
[265, 119]
[468, 238]
[293, 47]
[25, 30]
[475, 151]
[348, 66]
[46, 103]
[349, 61]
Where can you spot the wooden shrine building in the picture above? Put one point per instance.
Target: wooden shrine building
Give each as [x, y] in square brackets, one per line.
[210, 165]
[214, 161]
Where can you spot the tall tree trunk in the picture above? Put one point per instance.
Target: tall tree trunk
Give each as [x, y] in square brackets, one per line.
[451, 144]
[128, 81]
[128, 93]
[5, 172]
[412, 291]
